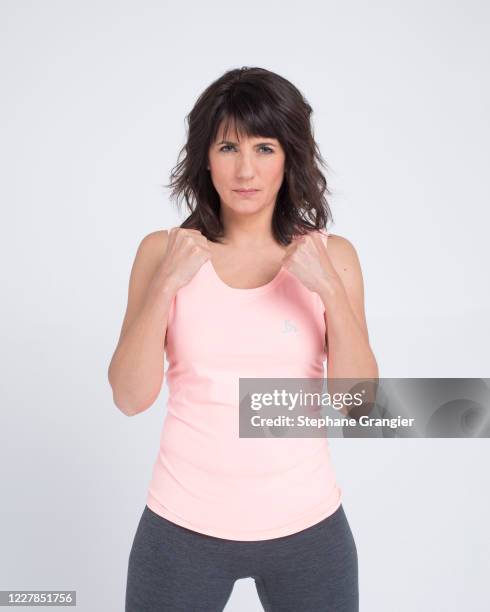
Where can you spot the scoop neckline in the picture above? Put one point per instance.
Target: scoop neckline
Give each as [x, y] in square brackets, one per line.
[243, 291]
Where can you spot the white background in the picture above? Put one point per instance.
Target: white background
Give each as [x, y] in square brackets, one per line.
[94, 96]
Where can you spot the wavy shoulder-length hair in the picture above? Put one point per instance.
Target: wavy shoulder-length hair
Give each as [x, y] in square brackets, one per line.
[258, 103]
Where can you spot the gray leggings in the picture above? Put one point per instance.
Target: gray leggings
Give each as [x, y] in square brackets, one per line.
[174, 569]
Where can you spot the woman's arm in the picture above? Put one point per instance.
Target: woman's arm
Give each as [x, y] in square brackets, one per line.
[349, 354]
[136, 369]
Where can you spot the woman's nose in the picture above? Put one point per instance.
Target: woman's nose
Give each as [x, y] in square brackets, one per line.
[244, 167]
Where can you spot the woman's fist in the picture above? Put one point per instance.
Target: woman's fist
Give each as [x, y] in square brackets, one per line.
[187, 250]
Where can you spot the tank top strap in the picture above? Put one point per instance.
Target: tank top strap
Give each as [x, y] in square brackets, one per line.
[324, 236]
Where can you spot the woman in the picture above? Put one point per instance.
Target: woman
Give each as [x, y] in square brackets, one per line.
[245, 287]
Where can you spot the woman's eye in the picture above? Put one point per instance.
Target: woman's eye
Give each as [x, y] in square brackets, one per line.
[264, 147]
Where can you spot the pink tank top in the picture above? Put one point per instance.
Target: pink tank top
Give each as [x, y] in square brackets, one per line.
[205, 477]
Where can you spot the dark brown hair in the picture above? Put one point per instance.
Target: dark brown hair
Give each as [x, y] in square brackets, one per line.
[256, 102]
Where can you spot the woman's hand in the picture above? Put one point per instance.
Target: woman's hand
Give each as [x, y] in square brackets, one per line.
[307, 258]
[187, 250]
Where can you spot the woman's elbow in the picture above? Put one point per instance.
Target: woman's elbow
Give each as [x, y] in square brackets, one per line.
[132, 408]
[130, 405]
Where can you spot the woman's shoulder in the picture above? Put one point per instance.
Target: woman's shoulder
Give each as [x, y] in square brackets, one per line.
[337, 242]
[155, 242]
[156, 238]
[151, 248]
[340, 242]
[342, 251]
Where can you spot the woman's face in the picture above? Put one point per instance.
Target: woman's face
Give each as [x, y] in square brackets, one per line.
[248, 163]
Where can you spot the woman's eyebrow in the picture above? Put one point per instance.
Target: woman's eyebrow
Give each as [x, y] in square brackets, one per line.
[266, 142]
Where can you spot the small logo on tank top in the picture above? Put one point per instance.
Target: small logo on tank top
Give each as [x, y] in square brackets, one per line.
[289, 327]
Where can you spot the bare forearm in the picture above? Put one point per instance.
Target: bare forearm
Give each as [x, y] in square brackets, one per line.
[349, 352]
[136, 369]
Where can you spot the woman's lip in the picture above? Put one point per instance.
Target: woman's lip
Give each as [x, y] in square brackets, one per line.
[245, 190]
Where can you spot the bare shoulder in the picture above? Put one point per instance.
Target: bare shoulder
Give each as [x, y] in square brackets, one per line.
[343, 254]
[154, 242]
[345, 260]
[340, 244]
[151, 250]
[150, 253]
